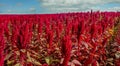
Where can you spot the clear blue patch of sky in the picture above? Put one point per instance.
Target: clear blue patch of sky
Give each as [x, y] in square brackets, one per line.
[20, 6]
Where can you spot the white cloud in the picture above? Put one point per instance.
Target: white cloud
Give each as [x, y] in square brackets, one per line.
[76, 5]
[32, 9]
[115, 8]
[112, 9]
[68, 2]
[75, 2]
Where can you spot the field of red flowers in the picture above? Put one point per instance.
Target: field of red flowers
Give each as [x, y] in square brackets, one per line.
[66, 39]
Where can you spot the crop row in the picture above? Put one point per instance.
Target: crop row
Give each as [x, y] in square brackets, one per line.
[67, 39]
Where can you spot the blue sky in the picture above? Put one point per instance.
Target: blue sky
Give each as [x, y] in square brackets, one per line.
[56, 6]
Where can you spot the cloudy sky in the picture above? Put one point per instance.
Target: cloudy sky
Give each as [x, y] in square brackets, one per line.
[56, 6]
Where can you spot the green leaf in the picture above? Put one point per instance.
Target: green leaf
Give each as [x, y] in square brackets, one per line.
[18, 64]
[32, 60]
[47, 59]
[10, 62]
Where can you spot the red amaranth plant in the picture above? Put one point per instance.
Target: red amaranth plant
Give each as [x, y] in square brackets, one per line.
[66, 49]
[2, 44]
[46, 39]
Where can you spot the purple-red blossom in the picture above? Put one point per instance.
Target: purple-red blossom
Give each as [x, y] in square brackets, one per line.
[53, 35]
[66, 49]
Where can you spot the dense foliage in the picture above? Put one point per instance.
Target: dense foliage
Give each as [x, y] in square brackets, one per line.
[66, 39]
